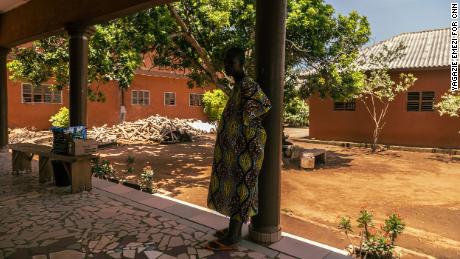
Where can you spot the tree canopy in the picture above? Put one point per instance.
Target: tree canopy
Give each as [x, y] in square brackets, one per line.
[192, 36]
[449, 104]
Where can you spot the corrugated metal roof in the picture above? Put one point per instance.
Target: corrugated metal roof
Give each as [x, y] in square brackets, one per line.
[424, 49]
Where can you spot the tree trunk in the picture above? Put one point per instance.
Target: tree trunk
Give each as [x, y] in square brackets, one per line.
[375, 138]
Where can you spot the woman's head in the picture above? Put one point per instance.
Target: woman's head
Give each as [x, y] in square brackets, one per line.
[234, 62]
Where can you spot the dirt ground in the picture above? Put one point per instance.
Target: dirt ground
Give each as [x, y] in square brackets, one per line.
[422, 187]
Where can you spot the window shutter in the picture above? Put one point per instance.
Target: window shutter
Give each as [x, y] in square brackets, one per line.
[413, 101]
[427, 101]
[345, 106]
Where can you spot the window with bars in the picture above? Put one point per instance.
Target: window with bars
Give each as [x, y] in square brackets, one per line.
[345, 106]
[40, 94]
[420, 101]
[196, 99]
[170, 98]
[140, 97]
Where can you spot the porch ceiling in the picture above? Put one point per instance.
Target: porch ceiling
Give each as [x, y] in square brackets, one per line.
[7, 5]
[38, 18]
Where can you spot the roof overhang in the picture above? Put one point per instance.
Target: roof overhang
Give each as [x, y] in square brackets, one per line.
[7, 5]
[35, 19]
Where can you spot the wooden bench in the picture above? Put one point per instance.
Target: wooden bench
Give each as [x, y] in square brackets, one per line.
[309, 158]
[78, 167]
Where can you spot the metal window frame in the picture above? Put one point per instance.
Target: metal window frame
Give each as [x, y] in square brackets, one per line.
[33, 102]
[140, 91]
[164, 99]
[190, 100]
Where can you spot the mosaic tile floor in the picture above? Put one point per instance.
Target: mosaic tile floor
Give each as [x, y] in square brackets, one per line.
[114, 221]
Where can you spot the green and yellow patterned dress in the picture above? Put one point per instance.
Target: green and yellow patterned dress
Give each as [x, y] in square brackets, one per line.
[239, 152]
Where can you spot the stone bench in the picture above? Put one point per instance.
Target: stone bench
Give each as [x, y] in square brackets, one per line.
[309, 158]
[78, 167]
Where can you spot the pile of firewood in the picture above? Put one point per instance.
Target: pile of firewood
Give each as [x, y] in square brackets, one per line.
[25, 135]
[155, 129]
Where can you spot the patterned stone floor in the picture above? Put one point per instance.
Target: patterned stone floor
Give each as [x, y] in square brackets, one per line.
[113, 221]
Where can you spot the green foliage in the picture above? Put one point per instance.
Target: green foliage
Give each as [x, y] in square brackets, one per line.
[61, 118]
[326, 47]
[345, 224]
[373, 242]
[47, 58]
[449, 104]
[130, 164]
[214, 103]
[102, 168]
[379, 89]
[192, 36]
[146, 179]
[296, 112]
[393, 227]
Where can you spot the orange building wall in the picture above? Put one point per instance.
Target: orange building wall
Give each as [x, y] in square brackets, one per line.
[157, 87]
[425, 129]
[37, 115]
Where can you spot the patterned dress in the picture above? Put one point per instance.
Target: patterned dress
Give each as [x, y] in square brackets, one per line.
[239, 153]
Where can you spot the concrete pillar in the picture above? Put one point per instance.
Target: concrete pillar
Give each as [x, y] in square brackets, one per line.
[3, 98]
[270, 45]
[78, 73]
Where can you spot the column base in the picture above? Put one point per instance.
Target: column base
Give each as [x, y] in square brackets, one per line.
[266, 237]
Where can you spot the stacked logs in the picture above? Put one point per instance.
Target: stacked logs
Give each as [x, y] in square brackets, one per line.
[25, 135]
[154, 129]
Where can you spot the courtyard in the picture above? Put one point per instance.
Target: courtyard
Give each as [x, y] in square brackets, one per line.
[421, 187]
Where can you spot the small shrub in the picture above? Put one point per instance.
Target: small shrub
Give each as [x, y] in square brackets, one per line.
[296, 112]
[130, 165]
[214, 103]
[102, 168]
[146, 179]
[375, 242]
[61, 118]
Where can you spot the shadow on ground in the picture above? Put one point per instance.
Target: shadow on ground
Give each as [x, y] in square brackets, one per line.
[446, 158]
[187, 165]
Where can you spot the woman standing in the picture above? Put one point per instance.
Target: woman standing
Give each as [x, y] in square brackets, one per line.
[238, 153]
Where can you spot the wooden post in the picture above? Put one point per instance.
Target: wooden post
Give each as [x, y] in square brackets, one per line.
[45, 169]
[21, 162]
[80, 173]
[3, 98]
[78, 73]
[270, 44]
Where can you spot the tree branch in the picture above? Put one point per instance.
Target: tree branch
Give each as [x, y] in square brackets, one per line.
[208, 66]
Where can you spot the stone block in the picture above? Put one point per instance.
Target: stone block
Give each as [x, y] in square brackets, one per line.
[307, 161]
